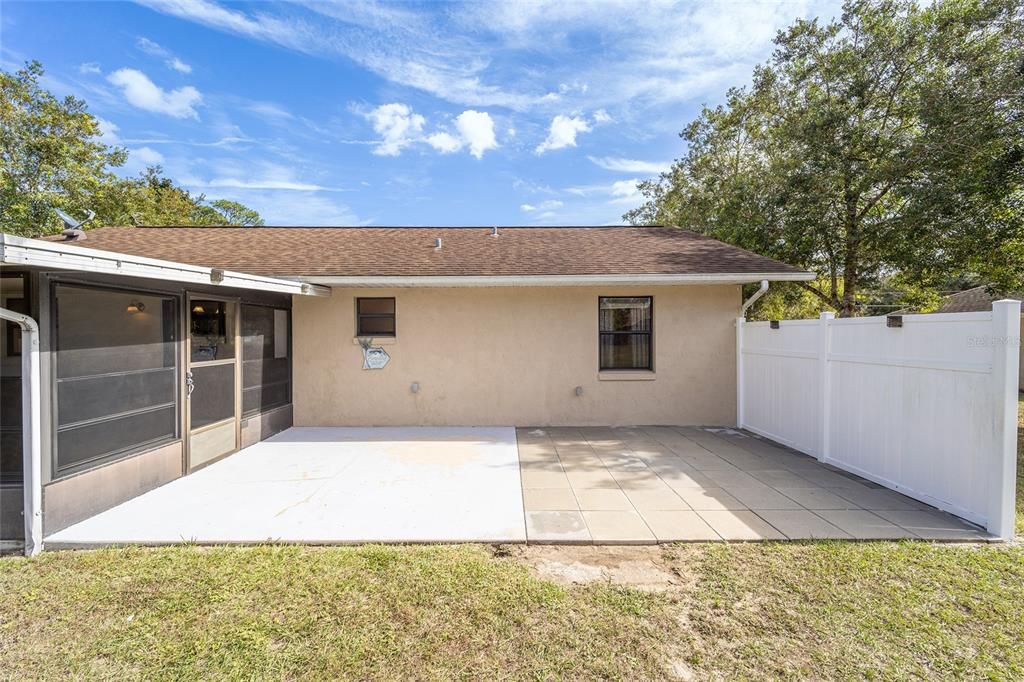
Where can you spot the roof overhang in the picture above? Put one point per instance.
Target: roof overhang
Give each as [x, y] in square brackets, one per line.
[558, 280]
[56, 256]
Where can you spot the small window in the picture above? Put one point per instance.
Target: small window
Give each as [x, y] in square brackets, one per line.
[625, 325]
[375, 317]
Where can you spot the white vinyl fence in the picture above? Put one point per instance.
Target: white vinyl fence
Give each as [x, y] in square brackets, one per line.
[928, 408]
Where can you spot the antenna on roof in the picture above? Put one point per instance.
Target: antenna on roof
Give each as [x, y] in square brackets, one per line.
[73, 228]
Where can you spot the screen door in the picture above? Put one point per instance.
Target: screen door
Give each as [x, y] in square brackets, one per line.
[212, 379]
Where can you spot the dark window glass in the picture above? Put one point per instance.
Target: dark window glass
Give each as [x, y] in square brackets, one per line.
[13, 296]
[212, 325]
[625, 325]
[375, 317]
[117, 373]
[266, 366]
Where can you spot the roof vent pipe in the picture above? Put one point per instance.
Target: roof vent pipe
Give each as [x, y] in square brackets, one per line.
[494, 231]
[437, 244]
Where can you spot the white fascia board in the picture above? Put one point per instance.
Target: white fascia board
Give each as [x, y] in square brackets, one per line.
[54, 255]
[557, 280]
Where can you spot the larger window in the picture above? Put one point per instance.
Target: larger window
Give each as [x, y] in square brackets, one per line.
[625, 325]
[116, 374]
[266, 369]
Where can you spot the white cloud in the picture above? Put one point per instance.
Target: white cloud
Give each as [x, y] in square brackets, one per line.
[602, 116]
[477, 130]
[397, 126]
[108, 131]
[157, 50]
[621, 165]
[179, 65]
[547, 206]
[651, 53]
[563, 132]
[89, 68]
[147, 156]
[446, 143]
[619, 192]
[269, 110]
[141, 92]
[259, 176]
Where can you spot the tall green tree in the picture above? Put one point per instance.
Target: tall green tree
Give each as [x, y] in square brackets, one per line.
[51, 157]
[50, 154]
[887, 145]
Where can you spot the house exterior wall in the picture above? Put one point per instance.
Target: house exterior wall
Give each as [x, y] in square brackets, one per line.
[514, 356]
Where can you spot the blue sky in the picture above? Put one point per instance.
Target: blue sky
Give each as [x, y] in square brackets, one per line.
[321, 113]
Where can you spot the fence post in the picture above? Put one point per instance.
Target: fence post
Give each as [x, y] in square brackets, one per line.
[824, 385]
[1003, 465]
[740, 321]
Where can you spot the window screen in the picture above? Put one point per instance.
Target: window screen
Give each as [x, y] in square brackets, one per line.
[625, 325]
[117, 374]
[266, 366]
[375, 317]
[13, 296]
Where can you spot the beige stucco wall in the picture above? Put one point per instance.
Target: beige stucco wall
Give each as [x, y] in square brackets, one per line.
[513, 356]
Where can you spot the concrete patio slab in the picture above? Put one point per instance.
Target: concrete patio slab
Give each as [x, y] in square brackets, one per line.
[603, 485]
[333, 485]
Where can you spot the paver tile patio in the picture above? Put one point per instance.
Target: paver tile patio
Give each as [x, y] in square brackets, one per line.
[740, 524]
[802, 524]
[678, 526]
[606, 499]
[617, 527]
[864, 525]
[549, 499]
[557, 527]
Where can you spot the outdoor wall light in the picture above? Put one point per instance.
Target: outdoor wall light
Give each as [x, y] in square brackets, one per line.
[198, 309]
[136, 307]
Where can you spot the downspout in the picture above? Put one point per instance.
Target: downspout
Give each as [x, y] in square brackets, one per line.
[753, 298]
[740, 321]
[31, 429]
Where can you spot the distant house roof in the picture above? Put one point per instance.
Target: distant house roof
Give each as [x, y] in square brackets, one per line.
[970, 300]
[365, 253]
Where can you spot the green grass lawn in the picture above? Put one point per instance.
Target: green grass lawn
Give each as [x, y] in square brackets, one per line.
[820, 610]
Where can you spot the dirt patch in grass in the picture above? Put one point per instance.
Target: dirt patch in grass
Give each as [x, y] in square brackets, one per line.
[647, 568]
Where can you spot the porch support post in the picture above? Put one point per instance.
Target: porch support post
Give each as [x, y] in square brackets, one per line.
[1002, 466]
[31, 430]
[824, 385]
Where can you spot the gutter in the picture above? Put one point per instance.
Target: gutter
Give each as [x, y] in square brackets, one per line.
[31, 429]
[556, 280]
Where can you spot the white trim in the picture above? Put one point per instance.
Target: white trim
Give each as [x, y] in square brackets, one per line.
[44, 254]
[555, 280]
[31, 429]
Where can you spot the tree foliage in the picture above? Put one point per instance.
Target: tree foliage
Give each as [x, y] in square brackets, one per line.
[52, 157]
[885, 146]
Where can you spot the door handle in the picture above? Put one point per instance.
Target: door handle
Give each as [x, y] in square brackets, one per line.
[189, 384]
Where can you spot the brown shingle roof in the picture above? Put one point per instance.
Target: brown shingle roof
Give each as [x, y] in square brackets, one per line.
[409, 251]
